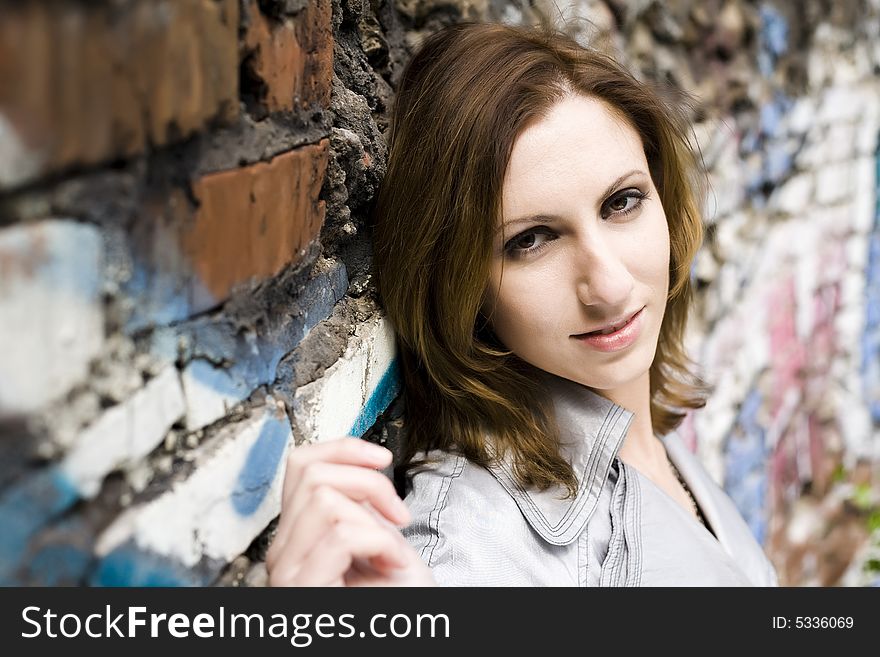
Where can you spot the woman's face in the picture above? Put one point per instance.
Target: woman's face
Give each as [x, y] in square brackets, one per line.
[598, 253]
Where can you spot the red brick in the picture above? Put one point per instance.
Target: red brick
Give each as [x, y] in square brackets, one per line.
[293, 58]
[83, 83]
[255, 221]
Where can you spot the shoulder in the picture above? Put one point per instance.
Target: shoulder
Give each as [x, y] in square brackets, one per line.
[451, 493]
[463, 522]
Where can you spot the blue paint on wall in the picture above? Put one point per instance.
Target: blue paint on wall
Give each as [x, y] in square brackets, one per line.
[27, 507]
[385, 392]
[778, 162]
[128, 565]
[225, 382]
[745, 459]
[160, 297]
[58, 565]
[771, 115]
[260, 466]
[870, 364]
[775, 151]
[252, 358]
[774, 39]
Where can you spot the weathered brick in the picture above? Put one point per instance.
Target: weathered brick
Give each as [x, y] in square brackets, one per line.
[125, 433]
[84, 83]
[254, 221]
[794, 196]
[250, 223]
[745, 456]
[214, 514]
[61, 553]
[841, 104]
[834, 183]
[52, 318]
[25, 508]
[121, 436]
[252, 360]
[160, 288]
[352, 393]
[290, 60]
[133, 565]
[211, 392]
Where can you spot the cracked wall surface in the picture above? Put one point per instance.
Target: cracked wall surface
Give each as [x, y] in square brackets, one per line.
[185, 292]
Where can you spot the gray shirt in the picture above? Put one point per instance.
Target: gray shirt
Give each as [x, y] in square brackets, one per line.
[478, 527]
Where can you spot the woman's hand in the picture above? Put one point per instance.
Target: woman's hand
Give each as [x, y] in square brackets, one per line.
[339, 519]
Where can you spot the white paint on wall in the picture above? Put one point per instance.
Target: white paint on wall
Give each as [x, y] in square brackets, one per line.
[51, 317]
[125, 433]
[195, 518]
[328, 407]
[210, 393]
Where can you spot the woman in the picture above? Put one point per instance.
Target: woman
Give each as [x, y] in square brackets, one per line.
[533, 240]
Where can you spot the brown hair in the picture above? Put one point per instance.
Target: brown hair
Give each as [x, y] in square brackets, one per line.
[462, 101]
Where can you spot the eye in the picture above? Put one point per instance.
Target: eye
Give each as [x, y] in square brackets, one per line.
[528, 242]
[627, 201]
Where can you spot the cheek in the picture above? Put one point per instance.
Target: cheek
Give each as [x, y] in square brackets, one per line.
[521, 310]
[654, 256]
[511, 316]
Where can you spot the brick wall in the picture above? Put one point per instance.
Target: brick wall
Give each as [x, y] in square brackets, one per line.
[184, 288]
[161, 167]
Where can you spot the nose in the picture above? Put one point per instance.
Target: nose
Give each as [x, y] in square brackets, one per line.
[603, 279]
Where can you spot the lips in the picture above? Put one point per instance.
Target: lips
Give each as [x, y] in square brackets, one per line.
[611, 328]
[623, 338]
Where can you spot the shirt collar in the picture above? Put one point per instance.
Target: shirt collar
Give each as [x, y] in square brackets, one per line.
[591, 429]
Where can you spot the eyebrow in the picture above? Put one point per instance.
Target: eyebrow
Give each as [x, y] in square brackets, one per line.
[550, 218]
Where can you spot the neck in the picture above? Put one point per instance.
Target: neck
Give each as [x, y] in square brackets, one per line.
[640, 444]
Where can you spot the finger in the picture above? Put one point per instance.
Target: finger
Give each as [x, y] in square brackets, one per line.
[327, 507]
[334, 554]
[363, 573]
[358, 483]
[331, 495]
[348, 450]
[284, 558]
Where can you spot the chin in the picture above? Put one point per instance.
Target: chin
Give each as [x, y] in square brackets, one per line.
[617, 377]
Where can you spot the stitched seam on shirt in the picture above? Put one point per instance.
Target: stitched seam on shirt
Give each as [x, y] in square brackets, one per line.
[621, 576]
[634, 568]
[434, 516]
[610, 422]
[584, 557]
[570, 515]
[614, 542]
[574, 511]
[605, 433]
[600, 482]
[620, 554]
